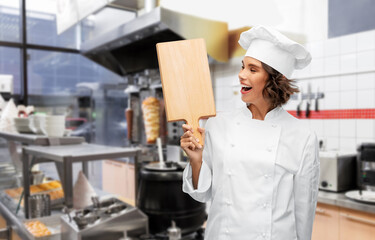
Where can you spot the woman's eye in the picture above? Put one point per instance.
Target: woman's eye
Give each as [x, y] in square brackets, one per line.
[252, 70]
[242, 67]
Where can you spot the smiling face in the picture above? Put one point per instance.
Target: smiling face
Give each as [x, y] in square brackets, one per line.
[253, 78]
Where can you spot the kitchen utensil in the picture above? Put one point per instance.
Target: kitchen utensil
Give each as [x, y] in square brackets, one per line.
[82, 219]
[157, 166]
[317, 101]
[186, 82]
[129, 121]
[36, 177]
[115, 208]
[300, 100]
[95, 201]
[365, 196]
[108, 222]
[39, 205]
[67, 211]
[160, 150]
[308, 103]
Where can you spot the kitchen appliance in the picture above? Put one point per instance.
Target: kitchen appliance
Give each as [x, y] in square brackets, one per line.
[160, 196]
[39, 205]
[132, 113]
[191, 97]
[366, 166]
[337, 171]
[130, 47]
[365, 175]
[106, 219]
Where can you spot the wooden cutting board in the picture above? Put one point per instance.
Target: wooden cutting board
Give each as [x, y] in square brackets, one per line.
[186, 82]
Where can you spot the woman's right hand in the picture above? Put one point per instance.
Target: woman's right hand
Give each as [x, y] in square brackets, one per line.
[191, 145]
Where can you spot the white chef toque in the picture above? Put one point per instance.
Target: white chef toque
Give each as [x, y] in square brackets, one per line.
[274, 49]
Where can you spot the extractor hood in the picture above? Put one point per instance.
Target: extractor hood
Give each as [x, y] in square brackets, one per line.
[131, 46]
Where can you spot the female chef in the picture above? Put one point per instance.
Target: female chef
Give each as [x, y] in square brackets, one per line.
[259, 166]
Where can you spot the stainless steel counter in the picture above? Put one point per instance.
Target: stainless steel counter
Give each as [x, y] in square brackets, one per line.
[16, 221]
[65, 156]
[340, 200]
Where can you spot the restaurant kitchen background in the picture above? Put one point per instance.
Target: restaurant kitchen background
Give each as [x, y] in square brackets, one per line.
[96, 65]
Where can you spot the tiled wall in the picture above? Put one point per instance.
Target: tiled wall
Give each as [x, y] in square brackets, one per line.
[344, 70]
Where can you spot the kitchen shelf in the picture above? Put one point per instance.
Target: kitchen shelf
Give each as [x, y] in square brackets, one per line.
[32, 139]
[65, 156]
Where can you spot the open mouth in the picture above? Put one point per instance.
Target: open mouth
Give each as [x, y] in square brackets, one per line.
[245, 89]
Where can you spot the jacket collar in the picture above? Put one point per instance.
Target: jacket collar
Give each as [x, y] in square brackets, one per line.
[269, 116]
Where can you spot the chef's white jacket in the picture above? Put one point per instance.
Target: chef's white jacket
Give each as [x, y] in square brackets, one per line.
[260, 176]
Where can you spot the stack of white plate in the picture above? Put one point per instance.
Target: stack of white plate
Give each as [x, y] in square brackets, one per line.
[22, 125]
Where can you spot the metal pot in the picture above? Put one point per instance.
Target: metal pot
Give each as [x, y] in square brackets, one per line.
[160, 196]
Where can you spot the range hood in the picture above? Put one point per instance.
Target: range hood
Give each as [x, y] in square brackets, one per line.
[130, 47]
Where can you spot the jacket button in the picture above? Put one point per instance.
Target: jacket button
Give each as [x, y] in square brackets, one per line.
[232, 145]
[274, 125]
[269, 149]
[266, 176]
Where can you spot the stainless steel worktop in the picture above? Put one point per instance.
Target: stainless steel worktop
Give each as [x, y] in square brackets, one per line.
[340, 200]
[16, 220]
[65, 156]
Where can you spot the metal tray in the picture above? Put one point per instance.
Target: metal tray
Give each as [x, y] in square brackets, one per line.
[53, 224]
[365, 197]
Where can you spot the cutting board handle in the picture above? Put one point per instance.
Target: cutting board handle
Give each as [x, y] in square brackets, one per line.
[195, 124]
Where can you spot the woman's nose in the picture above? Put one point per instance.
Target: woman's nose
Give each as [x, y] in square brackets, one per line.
[241, 75]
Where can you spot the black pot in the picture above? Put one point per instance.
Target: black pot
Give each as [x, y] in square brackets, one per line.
[160, 196]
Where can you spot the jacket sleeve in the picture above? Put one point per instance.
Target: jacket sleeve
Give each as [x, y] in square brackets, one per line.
[306, 183]
[203, 191]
